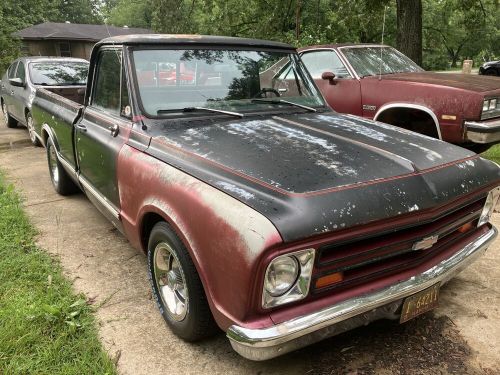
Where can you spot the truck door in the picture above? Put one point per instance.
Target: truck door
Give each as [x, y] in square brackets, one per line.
[102, 131]
[344, 93]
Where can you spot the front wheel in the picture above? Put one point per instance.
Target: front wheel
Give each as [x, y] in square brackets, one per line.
[60, 180]
[177, 287]
[31, 130]
[9, 121]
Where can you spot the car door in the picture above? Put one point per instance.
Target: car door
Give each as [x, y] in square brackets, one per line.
[21, 93]
[102, 132]
[7, 92]
[343, 93]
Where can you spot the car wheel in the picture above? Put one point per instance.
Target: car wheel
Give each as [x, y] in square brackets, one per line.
[177, 287]
[490, 72]
[9, 121]
[31, 130]
[60, 180]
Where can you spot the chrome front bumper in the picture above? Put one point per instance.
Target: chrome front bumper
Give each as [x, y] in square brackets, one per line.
[270, 342]
[483, 132]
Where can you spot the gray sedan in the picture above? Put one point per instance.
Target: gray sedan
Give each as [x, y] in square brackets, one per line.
[64, 76]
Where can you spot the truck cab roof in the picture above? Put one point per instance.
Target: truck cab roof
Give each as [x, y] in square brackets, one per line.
[181, 39]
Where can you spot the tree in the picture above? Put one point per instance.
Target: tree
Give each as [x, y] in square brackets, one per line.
[409, 29]
[455, 29]
[79, 11]
[133, 13]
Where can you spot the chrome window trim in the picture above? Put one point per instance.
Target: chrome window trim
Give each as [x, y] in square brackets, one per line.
[348, 68]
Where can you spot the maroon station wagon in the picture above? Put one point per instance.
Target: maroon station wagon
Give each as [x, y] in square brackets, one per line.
[378, 82]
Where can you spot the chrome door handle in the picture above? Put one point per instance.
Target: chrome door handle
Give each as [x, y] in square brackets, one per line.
[114, 129]
[81, 127]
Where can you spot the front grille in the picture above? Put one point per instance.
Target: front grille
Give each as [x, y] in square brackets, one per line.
[383, 255]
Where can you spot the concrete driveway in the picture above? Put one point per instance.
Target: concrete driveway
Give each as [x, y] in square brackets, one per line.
[461, 336]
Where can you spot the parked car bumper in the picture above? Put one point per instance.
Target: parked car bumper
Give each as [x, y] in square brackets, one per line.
[266, 343]
[483, 132]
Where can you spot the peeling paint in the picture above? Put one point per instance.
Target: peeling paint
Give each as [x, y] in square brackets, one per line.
[234, 189]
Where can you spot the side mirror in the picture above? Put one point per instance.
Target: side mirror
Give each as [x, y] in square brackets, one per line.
[330, 76]
[16, 82]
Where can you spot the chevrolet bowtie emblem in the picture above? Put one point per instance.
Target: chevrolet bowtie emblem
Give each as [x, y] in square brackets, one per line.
[425, 243]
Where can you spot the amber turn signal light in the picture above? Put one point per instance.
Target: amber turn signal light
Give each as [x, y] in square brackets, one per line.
[329, 279]
[465, 228]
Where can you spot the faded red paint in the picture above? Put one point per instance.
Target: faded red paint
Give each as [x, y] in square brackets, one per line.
[433, 91]
[216, 247]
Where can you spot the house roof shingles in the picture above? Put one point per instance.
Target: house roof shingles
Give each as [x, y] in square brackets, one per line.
[74, 31]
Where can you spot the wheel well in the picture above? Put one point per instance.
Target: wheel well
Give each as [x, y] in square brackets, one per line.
[411, 119]
[45, 136]
[148, 222]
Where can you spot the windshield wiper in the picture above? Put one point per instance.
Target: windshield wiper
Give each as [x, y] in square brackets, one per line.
[205, 109]
[281, 101]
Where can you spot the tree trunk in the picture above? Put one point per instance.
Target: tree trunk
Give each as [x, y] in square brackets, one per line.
[409, 29]
[297, 19]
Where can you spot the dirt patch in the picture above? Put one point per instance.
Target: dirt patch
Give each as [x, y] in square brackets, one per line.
[426, 345]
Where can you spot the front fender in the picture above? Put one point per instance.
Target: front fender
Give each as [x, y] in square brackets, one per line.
[224, 237]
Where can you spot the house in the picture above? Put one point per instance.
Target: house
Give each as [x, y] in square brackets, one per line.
[68, 39]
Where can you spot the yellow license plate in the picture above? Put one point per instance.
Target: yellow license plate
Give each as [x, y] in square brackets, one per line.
[420, 303]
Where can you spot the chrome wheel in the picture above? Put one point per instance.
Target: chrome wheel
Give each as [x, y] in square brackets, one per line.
[54, 170]
[31, 129]
[170, 281]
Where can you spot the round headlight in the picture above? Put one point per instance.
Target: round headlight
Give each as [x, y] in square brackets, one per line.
[281, 275]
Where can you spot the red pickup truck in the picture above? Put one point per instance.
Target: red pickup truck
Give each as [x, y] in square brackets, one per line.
[378, 82]
[262, 211]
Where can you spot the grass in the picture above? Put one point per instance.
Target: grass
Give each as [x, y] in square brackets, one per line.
[45, 328]
[493, 154]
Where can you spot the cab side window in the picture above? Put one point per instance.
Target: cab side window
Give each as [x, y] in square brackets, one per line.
[106, 90]
[319, 62]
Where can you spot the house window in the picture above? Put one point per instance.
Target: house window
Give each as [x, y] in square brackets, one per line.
[64, 50]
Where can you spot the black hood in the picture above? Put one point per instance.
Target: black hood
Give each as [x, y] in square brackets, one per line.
[321, 172]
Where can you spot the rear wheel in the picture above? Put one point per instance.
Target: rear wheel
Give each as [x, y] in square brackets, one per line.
[60, 180]
[31, 130]
[9, 121]
[177, 287]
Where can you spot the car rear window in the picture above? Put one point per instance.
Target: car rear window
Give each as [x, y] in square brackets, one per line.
[59, 73]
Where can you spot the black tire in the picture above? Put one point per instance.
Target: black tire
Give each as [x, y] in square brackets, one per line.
[31, 131]
[62, 183]
[9, 120]
[490, 72]
[195, 322]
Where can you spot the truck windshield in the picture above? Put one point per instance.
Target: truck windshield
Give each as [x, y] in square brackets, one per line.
[60, 73]
[372, 61]
[172, 80]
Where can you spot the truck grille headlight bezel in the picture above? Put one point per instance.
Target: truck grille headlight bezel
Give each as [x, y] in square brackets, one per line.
[299, 288]
[489, 206]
